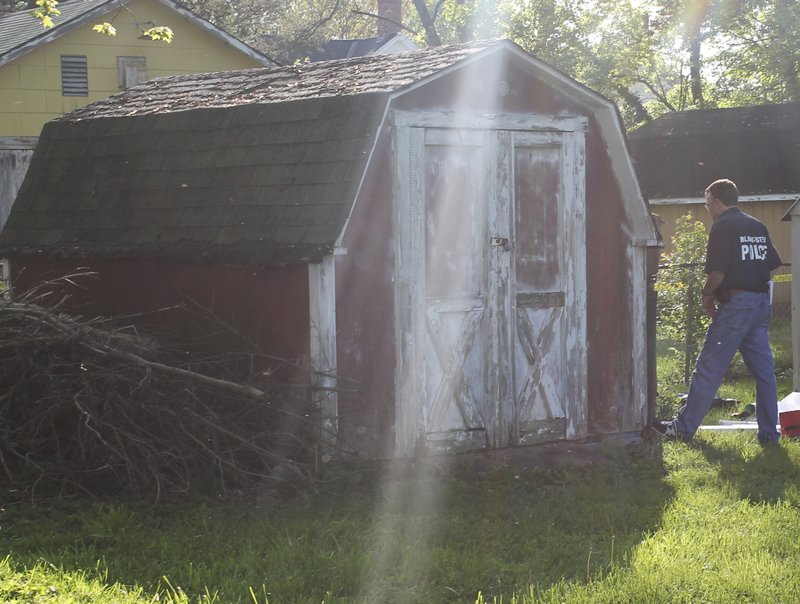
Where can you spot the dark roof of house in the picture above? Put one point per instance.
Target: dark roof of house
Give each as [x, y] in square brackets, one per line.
[254, 167]
[681, 153]
[20, 28]
[21, 33]
[347, 49]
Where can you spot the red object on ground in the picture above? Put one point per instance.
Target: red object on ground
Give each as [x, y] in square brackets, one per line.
[790, 423]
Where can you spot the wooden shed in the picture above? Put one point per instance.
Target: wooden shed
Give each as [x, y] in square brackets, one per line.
[457, 232]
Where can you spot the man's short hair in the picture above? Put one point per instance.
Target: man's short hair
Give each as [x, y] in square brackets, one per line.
[725, 190]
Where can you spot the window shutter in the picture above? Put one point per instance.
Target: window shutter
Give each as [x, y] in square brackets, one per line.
[74, 75]
[131, 71]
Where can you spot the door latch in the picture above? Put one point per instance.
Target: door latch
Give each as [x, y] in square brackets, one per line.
[500, 242]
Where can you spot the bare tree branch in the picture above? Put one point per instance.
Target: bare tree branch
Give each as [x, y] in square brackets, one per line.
[386, 19]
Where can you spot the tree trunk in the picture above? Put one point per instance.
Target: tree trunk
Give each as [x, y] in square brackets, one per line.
[431, 35]
[639, 110]
[695, 72]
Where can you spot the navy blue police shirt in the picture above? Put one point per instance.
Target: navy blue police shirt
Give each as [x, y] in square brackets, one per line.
[739, 246]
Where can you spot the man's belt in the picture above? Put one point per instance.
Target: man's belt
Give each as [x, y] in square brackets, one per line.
[724, 295]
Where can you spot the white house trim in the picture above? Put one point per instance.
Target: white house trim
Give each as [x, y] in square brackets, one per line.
[573, 153]
[793, 215]
[679, 201]
[219, 34]
[409, 309]
[18, 142]
[796, 306]
[322, 315]
[398, 43]
[637, 257]
[489, 121]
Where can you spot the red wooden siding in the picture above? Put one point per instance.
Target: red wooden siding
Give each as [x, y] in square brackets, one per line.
[268, 305]
[608, 276]
[365, 323]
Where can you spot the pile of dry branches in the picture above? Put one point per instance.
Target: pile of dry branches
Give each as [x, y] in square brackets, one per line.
[88, 407]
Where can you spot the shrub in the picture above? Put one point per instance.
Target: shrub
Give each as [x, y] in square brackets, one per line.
[681, 320]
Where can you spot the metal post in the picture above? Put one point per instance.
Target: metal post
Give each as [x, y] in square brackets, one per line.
[688, 344]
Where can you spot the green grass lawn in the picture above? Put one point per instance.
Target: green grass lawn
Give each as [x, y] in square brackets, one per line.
[717, 520]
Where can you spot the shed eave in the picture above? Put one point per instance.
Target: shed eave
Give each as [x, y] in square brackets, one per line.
[794, 210]
[339, 243]
[688, 200]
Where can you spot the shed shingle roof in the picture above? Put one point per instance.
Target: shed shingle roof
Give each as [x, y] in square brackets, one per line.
[679, 154]
[361, 75]
[256, 167]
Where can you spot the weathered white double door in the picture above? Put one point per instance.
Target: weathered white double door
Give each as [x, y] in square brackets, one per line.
[490, 275]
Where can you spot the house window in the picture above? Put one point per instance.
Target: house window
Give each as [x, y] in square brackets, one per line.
[131, 71]
[74, 75]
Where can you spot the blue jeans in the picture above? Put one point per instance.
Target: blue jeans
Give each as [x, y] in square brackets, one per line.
[740, 324]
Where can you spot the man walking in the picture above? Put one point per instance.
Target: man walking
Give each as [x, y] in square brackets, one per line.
[739, 261]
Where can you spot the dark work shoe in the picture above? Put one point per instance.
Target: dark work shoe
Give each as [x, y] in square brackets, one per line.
[665, 429]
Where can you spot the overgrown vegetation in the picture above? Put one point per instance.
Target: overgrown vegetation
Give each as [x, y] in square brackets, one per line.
[91, 407]
[679, 282]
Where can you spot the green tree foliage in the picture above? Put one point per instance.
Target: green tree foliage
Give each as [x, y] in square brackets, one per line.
[680, 279]
[305, 25]
[454, 21]
[758, 54]
[46, 10]
[717, 53]
[289, 30]
[245, 19]
[655, 56]
[605, 45]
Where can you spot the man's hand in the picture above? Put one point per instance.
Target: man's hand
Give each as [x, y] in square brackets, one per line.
[709, 305]
[713, 281]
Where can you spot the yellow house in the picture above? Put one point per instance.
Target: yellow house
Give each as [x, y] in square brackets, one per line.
[45, 73]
